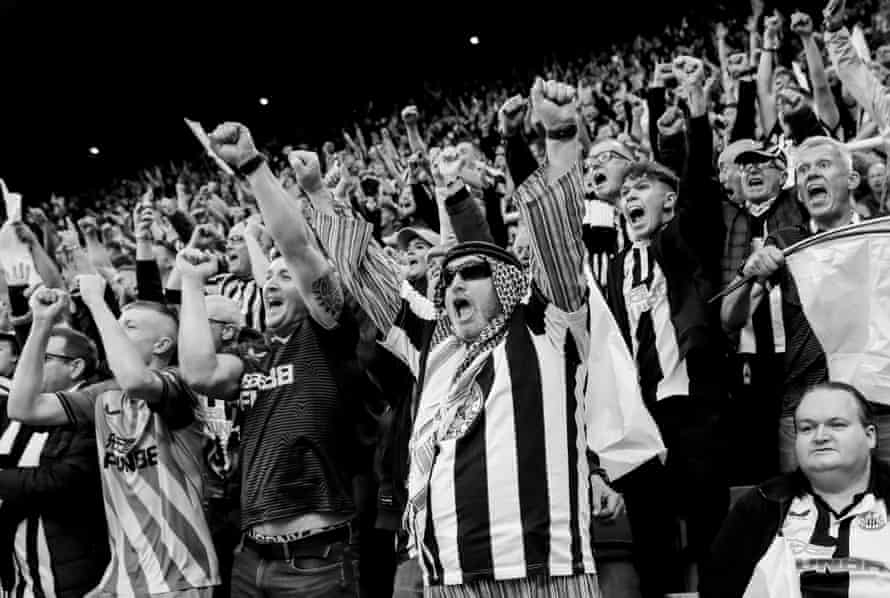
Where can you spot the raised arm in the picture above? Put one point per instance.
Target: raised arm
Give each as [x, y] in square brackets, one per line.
[202, 368]
[316, 278]
[765, 74]
[27, 401]
[411, 118]
[855, 75]
[551, 200]
[802, 25]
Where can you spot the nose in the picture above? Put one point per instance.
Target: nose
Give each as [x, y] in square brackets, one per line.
[822, 433]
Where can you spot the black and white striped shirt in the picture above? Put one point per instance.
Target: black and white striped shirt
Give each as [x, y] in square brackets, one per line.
[246, 293]
[509, 496]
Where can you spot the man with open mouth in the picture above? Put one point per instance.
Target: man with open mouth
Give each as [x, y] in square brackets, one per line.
[501, 491]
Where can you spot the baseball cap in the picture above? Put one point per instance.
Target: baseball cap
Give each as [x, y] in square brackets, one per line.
[732, 151]
[763, 153]
[223, 309]
[408, 234]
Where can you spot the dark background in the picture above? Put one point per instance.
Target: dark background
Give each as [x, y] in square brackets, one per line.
[120, 76]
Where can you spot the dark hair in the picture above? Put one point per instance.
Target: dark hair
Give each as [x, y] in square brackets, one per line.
[648, 169]
[866, 414]
[79, 346]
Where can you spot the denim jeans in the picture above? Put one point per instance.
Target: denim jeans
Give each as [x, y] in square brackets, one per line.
[316, 569]
[788, 458]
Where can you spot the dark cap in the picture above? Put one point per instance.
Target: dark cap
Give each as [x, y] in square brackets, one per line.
[762, 154]
[481, 248]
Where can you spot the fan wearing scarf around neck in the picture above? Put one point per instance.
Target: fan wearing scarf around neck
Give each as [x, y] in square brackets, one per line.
[502, 486]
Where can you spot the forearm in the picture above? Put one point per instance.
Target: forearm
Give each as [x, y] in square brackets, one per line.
[856, 77]
[764, 91]
[521, 162]
[745, 126]
[47, 268]
[415, 141]
[656, 105]
[149, 286]
[736, 307]
[27, 383]
[281, 214]
[825, 105]
[197, 353]
[467, 221]
[97, 253]
[58, 479]
[259, 263]
[124, 360]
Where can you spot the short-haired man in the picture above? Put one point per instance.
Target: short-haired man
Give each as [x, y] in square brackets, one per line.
[415, 243]
[825, 181]
[831, 513]
[150, 437]
[46, 474]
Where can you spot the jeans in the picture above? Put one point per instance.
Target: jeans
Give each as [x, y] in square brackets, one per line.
[788, 458]
[316, 569]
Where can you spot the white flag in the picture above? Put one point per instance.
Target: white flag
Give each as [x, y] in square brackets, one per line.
[843, 280]
[620, 429]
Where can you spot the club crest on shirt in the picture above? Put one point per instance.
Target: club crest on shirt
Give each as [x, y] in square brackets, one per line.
[872, 521]
[799, 515]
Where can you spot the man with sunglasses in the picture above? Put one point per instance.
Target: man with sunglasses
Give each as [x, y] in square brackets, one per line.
[47, 473]
[501, 489]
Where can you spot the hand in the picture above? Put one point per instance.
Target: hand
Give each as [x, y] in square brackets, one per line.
[92, 288]
[721, 31]
[671, 122]
[202, 236]
[253, 227]
[307, 169]
[737, 65]
[696, 95]
[451, 163]
[511, 116]
[167, 206]
[196, 264]
[554, 104]
[764, 262]
[771, 27]
[19, 276]
[607, 504]
[689, 68]
[144, 219]
[38, 217]
[410, 116]
[48, 305]
[802, 24]
[233, 144]
[834, 13]
[24, 234]
[664, 72]
[88, 227]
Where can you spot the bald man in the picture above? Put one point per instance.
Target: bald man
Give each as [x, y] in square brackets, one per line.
[150, 443]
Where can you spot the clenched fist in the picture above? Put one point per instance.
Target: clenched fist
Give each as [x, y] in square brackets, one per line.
[307, 169]
[233, 144]
[196, 264]
[764, 262]
[802, 24]
[554, 104]
[410, 116]
[834, 14]
[511, 116]
[671, 122]
[48, 305]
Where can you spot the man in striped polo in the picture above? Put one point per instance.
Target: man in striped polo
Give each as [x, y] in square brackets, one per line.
[500, 477]
[150, 437]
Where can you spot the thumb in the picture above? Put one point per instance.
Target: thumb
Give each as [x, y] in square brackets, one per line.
[537, 91]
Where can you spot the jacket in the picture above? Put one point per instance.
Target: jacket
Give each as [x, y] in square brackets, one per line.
[753, 524]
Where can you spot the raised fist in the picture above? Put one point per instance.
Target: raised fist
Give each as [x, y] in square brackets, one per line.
[233, 144]
[167, 206]
[24, 234]
[410, 116]
[554, 104]
[511, 115]
[48, 305]
[196, 264]
[144, 219]
[771, 27]
[450, 164]
[671, 122]
[802, 24]
[38, 217]
[737, 65]
[834, 14]
[307, 169]
[664, 72]
[689, 68]
[92, 288]
[203, 236]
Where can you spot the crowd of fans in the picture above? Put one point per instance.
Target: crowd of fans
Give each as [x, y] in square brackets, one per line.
[357, 370]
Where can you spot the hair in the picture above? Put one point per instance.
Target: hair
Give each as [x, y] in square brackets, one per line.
[866, 414]
[158, 308]
[821, 141]
[648, 169]
[79, 346]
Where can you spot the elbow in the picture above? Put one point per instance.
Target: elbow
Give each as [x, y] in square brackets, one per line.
[137, 382]
[15, 408]
[199, 378]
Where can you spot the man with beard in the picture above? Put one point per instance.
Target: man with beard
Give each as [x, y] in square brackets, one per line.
[826, 179]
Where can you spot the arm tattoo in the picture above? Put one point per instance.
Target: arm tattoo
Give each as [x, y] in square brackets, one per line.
[329, 294]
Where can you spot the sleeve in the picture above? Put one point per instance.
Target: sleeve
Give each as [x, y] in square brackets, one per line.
[79, 405]
[495, 217]
[59, 475]
[178, 403]
[745, 123]
[656, 104]
[554, 213]
[857, 78]
[520, 161]
[148, 281]
[466, 219]
[412, 331]
[182, 225]
[427, 210]
[672, 151]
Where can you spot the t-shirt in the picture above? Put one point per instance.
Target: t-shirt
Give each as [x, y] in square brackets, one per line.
[151, 467]
[297, 439]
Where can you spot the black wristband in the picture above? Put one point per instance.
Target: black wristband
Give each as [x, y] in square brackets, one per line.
[563, 133]
[251, 166]
[18, 303]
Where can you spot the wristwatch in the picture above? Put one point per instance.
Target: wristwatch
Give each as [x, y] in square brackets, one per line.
[251, 165]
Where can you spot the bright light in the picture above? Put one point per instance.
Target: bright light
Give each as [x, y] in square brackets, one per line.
[264, 101]
[94, 150]
[474, 41]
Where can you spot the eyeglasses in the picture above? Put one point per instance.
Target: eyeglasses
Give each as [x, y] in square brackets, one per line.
[758, 166]
[467, 271]
[48, 356]
[602, 158]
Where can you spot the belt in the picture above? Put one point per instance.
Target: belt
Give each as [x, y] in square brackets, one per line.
[284, 551]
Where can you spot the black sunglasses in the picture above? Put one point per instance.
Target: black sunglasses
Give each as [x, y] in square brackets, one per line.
[467, 271]
[58, 356]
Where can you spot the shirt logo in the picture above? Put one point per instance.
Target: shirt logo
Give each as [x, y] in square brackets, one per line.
[872, 521]
[801, 515]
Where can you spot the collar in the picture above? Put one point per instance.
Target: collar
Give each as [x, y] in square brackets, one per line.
[784, 488]
[854, 219]
[759, 209]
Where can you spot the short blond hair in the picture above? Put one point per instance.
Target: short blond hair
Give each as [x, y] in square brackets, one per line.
[820, 141]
